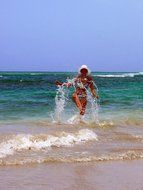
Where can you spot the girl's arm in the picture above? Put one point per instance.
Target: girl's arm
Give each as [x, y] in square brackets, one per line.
[67, 84]
[58, 83]
[93, 91]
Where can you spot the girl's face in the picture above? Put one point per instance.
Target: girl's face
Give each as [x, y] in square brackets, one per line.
[84, 72]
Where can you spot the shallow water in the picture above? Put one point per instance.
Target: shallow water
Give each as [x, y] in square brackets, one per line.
[43, 143]
[29, 135]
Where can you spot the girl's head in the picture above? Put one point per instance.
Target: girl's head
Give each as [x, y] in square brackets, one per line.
[84, 70]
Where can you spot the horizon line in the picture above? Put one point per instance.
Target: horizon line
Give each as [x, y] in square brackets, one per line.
[71, 71]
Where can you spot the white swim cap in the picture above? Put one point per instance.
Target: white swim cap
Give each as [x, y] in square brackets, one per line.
[84, 67]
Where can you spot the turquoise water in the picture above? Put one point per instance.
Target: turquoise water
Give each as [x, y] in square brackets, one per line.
[31, 95]
[28, 109]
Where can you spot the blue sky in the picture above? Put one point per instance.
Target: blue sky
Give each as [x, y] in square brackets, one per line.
[61, 35]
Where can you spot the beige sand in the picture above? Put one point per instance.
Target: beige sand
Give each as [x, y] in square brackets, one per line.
[117, 175]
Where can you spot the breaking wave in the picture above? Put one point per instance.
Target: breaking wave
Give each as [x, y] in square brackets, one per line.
[38, 142]
[127, 155]
[120, 75]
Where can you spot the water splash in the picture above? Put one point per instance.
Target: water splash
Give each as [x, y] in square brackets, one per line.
[60, 101]
[62, 98]
[94, 108]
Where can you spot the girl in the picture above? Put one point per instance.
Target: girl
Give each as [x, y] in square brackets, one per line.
[82, 82]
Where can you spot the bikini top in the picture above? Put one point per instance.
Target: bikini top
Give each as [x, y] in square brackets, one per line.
[83, 83]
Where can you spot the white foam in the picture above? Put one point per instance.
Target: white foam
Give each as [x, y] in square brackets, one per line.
[76, 119]
[60, 101]
[36, 73]
[25, 142]
[120, 75]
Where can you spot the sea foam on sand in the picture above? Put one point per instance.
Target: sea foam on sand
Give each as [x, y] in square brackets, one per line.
[38, 142]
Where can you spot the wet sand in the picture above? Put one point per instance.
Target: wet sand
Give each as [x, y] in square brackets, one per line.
[119, 175]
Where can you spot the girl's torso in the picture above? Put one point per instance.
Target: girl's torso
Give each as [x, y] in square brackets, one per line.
[82, 84]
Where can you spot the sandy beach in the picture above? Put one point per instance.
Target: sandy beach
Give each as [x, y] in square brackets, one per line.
[119, 175]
